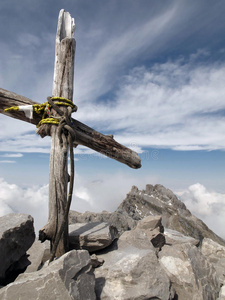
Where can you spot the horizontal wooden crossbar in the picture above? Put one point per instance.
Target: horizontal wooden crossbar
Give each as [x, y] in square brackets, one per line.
[86, 136]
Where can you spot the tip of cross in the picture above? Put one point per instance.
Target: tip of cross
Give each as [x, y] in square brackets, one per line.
[66, 25]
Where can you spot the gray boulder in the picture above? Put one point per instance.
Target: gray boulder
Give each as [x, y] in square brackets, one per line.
[91, 236]
[119, 219]
[222, 293]
[16, 237]
[152, 226]
[151, 223]
[215, 253]
[131, 270]
[38, 254]
[96, 261]
[69, 277]
[174, 237]
[191, 274]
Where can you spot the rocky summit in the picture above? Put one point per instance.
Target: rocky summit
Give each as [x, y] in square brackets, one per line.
[153, 201]
[151, 247]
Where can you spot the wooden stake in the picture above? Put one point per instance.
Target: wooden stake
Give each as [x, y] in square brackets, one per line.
[58, 173]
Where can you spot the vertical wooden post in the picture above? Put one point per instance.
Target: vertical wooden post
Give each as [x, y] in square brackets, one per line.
[58, 173]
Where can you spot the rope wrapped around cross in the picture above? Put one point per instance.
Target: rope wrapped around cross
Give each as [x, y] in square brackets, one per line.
[66, 137]
[65, 123]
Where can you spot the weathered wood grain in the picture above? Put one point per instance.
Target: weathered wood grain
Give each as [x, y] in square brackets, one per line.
[58, 172]
[9, 99]
[85, 135]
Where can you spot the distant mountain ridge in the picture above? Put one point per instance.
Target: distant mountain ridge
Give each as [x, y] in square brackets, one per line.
[154, 200]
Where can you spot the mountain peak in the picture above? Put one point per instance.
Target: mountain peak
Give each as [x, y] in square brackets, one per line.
[154, 200]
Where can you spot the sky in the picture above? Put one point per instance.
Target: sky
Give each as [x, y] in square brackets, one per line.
[150, 72]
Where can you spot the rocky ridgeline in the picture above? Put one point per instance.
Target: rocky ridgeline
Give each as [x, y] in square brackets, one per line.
[153, 201]
[151, 247]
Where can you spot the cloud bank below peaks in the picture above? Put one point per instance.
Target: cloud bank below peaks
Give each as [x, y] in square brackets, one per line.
[101, 194]
[207, 205]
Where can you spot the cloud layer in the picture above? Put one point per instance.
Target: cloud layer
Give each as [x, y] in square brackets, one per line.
[177, 105]
[100, 195]
[32, 201]
[207, 205]
[89, 195]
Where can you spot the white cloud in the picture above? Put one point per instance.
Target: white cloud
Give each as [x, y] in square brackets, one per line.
[106, 191]
[12, 155]
[20, 136]
[174, 105]
[207, 205]
[32, 201]
[89, 195]
[98, 68]
[7, 161]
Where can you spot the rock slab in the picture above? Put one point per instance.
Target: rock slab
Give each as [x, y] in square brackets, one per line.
[174, 237]
[131, 270]
[191, 274]
[38, 254]
[91, 236]
[215, 253]
[16, 237]
[69, 278]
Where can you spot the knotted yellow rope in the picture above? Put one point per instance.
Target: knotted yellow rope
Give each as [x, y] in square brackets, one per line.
[44, 109]
[13, 108]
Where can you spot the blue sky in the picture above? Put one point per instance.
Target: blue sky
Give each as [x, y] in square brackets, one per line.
[150, 72]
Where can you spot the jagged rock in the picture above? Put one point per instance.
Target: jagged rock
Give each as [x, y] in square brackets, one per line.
[151, 223]
[88, 217]
[157, 238]
[38, 254]
[157, 200]
[215, 253]
[69, 277]
[148, 233]
[16, 237]
[222, 293]
[15, 269]
[154, 200]
[131, 270]
[118, 219]
[136, 238]
[191, 274]
[96, 261]
[174, 237]
[153, 229]
[91, 236]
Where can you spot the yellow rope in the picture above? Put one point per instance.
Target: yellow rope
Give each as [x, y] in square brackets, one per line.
[48, 121]
[39, 108]
[64, 100]
[13, 108]
[44, 109]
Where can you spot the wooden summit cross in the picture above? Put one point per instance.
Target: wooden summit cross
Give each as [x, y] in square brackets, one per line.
[75, 131]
